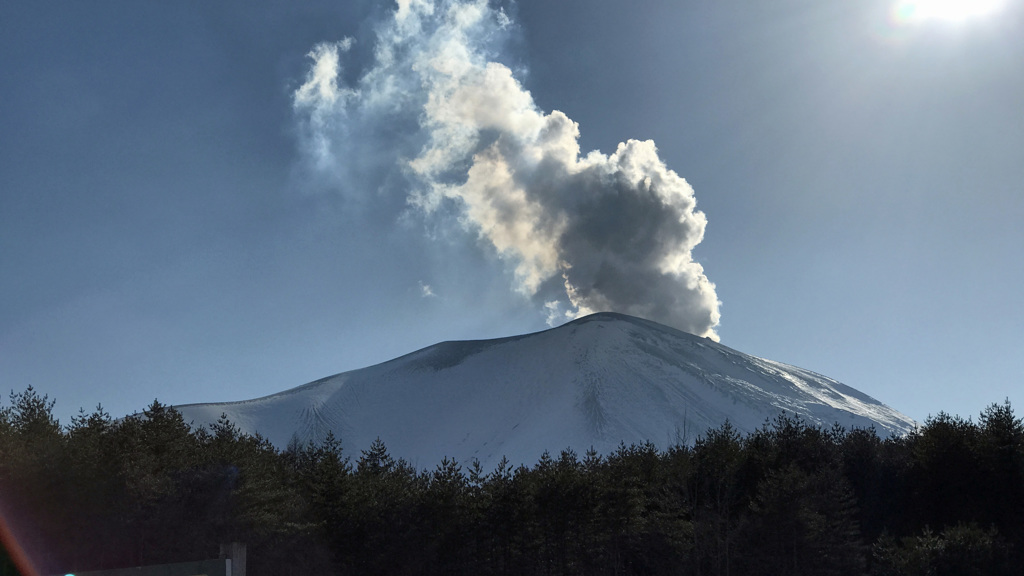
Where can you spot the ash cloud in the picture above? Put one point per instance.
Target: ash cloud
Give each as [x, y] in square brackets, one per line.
[436, 111]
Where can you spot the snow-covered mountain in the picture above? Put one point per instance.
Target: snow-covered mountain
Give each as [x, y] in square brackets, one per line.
[594, 382]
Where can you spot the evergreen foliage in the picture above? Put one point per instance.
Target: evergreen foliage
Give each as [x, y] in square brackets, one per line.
[788, 499]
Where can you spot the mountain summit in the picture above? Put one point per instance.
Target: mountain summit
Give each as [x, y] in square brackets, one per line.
[595, 382]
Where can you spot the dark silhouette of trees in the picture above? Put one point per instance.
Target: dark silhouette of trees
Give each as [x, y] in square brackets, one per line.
[788, 499]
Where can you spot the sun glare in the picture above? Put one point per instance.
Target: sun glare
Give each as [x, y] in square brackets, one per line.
[913, 11]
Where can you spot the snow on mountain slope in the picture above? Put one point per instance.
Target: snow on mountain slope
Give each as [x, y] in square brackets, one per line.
[594, 382]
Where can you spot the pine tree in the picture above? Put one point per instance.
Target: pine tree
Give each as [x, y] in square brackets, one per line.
[716, 499]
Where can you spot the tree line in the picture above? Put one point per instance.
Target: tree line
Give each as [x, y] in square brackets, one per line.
[787, 499]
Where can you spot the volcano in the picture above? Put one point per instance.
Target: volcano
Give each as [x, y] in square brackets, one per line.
[596, 382]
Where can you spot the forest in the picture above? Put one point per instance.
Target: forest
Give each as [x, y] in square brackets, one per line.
[787, 499]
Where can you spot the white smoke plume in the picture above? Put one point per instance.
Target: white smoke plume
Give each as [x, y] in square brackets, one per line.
[435, 108]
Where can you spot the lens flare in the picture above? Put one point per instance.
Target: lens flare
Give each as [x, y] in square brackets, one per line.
[14, 550]
[914, 11]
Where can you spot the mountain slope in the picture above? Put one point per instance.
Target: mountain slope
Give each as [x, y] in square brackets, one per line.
[597, 381]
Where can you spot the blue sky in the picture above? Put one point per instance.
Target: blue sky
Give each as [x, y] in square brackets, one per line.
[168, 231]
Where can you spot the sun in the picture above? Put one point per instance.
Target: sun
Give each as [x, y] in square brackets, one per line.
[913, 11]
